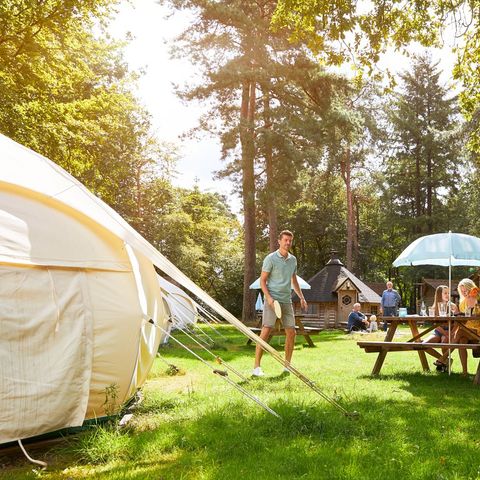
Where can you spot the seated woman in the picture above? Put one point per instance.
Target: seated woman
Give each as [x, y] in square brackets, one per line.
[468, 305]
[441, 302]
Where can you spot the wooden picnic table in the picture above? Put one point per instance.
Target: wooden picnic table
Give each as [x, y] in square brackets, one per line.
[415, 342]
[278, 330]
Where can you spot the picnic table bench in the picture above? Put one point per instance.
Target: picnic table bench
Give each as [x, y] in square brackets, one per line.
[278, 330]
[415, 344]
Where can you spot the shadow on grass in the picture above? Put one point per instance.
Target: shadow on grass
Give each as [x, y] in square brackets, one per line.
[311, 441]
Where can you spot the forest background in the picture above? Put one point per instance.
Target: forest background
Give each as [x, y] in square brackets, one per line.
[362, 164]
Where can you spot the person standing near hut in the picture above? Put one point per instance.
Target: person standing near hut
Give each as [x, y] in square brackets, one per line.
[390, 302]
[278, 275]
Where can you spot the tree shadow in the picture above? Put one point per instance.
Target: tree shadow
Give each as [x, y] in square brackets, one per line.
[431, 435]
[311, 441]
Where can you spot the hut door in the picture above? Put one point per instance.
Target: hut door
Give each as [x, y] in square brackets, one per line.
[346, 299]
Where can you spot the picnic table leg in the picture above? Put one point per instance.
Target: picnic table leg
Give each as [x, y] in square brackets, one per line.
[301, 331]
[381, 356]
[476, 379]
[308, 339]
[421, 354]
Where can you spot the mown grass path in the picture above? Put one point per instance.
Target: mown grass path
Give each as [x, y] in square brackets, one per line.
[412, 425]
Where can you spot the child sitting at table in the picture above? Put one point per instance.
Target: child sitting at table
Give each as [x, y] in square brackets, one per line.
[441, 306]
[373, 324]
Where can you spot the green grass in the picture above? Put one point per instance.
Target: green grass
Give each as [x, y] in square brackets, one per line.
[412, 425]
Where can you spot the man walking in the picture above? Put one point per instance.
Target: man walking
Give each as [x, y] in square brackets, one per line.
[278, 275]
[390, 302]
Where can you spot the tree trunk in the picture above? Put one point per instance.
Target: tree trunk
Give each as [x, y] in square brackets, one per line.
[270, 181]
[418, 189]
[247, 114]
[356, 230]
[346, 171]
[429, 192]
[429, 171]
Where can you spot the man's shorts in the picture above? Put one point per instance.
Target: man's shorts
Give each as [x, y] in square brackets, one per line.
[269, 318]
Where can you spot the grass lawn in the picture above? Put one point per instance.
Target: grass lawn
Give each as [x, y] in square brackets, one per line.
[412, 425]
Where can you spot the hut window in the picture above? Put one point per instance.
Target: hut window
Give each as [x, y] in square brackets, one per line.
[346, 299]
[313, 308]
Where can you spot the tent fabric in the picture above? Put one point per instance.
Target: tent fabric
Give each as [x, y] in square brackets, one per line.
[152, 308]
[117, 322]
[74, 297]
[182, 308]
[27, 237]
[45, 358]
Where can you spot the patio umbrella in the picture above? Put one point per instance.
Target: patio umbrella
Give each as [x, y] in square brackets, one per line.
[443, 249]
[301, 282]
[259, 303]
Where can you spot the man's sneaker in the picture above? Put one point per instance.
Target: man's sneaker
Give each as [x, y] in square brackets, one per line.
[286, 371]
[258, 372]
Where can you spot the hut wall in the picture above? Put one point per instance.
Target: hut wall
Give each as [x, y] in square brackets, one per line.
[320, 314]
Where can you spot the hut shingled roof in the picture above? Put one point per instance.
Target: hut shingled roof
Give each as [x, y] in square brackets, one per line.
[325, 283]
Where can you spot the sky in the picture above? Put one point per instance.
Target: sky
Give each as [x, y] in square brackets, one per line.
[149, 51]
[153, 31]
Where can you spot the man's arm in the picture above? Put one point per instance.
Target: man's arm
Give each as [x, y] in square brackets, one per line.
[381, 304]
[298, 291]
[263, 286]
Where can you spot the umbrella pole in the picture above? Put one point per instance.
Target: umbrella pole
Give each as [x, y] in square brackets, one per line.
[449, 303]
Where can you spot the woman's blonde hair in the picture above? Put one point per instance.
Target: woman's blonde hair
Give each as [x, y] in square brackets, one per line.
[438, 298]
[468, 284]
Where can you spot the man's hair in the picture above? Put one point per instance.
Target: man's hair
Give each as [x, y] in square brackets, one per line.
[288, 233]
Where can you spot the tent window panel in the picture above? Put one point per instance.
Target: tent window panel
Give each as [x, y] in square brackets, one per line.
[45, 351]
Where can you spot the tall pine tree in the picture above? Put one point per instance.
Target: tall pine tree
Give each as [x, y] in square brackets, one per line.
[423, 170]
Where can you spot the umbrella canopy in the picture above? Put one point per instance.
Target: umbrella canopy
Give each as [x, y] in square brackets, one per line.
[259, 303]
[444, 249]
[303, 284]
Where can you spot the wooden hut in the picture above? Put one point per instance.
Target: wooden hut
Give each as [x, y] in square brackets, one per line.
[334, 291]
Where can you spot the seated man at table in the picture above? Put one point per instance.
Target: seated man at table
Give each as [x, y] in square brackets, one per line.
[357, 320]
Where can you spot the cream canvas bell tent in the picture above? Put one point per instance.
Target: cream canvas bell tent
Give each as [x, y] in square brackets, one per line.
[74, 297]
[182, 309]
